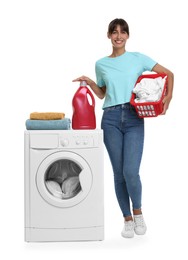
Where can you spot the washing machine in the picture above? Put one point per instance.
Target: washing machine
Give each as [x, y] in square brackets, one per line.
[64, 185]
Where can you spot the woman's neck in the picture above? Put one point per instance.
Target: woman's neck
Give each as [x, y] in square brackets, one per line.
[117, 52]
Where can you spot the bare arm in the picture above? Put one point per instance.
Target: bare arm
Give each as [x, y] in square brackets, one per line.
[99, 92]
[166, 101]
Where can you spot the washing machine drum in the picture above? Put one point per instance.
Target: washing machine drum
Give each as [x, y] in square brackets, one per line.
[64, 181]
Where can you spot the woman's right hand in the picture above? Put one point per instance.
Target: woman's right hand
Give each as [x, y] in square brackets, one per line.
[86, 79]
[99, 92]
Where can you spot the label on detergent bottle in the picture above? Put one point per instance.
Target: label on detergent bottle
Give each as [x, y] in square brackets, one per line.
[83, 112]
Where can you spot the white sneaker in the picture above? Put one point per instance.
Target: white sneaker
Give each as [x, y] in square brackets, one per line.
[128, 229]
[140, 226]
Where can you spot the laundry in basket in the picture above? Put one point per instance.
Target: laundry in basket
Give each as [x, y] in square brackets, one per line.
[148, 94]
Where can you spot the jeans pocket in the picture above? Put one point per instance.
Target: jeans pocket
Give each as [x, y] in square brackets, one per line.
[110, 116]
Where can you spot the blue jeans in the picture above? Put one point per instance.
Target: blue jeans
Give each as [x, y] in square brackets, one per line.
[124, 139]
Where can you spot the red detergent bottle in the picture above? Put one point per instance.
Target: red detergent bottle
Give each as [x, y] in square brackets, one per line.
[83, 111]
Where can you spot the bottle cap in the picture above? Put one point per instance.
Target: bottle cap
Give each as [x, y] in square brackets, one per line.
[83, 83]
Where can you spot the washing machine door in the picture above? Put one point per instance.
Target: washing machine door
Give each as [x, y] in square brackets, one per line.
[64, 179]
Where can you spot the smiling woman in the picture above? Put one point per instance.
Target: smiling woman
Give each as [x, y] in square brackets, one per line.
[123, 130]
[118, 32]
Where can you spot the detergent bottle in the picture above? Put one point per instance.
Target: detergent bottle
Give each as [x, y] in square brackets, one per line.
[83, 112]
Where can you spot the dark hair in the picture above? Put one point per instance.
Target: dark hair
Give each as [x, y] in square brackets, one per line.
[118, 21]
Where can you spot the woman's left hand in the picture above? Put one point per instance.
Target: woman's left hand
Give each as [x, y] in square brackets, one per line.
[166, 102]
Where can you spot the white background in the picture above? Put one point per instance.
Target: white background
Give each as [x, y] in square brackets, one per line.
[44, 45]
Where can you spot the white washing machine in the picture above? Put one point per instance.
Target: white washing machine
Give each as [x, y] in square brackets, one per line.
[64, 185]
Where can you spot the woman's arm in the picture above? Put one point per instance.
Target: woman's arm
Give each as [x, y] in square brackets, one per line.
[99, 92]
[166, 101]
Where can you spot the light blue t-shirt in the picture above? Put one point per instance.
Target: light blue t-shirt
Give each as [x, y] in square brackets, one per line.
[120, 74]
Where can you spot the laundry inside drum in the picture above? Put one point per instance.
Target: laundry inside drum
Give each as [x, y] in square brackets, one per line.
[62, 179]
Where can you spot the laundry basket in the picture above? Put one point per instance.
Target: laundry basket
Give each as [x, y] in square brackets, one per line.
[149, 109]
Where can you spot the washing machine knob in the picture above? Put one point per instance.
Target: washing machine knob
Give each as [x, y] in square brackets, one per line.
[78, 142]
[65, 142]
[85, 142]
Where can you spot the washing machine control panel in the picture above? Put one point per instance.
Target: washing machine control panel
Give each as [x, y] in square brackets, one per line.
[78, 141]
[65, 139]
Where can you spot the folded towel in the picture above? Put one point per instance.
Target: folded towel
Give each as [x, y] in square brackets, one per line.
[46, 115]
[63, 124]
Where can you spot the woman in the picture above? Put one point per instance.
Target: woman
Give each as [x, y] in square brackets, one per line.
[123, 129]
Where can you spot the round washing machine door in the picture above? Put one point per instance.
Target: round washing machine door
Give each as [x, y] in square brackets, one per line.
[64, 179]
